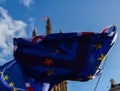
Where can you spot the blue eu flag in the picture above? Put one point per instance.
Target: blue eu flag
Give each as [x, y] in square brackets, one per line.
[11, 77]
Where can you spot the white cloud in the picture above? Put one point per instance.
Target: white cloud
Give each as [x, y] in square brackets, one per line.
[27, 3]
[9, 28]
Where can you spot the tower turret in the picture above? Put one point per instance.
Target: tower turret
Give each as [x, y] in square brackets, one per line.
[60, 30]
[34, 32]
[48, 26]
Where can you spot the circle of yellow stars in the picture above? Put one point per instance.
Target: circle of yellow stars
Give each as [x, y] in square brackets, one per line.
[11, 84]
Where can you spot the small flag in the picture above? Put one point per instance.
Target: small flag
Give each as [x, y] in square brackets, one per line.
[44, 18]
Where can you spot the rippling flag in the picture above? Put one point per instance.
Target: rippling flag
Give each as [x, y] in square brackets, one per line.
[63, 56]
[11, 78]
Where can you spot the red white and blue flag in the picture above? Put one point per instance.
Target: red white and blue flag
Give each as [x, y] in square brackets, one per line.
[44, 18]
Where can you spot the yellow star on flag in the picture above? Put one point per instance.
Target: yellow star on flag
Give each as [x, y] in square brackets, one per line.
[90, 77]
[14, 89]
[48, 62]
[11, 84]
[49, 72]
[97, 46]
[6, 77]
[102, 57]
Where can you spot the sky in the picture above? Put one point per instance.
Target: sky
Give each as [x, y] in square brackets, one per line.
[19, 17]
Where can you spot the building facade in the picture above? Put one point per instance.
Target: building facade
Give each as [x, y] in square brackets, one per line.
[61, 87]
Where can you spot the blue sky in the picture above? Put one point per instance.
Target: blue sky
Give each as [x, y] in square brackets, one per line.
[18, 17]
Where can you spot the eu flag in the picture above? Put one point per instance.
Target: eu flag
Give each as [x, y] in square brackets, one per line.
[11, 78]
[63, 56]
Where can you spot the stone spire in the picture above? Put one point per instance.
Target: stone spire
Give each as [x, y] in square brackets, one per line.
[34, 32]
[48, 26]
[60, 30]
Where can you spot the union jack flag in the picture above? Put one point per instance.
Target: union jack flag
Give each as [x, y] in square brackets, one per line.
[44, 18]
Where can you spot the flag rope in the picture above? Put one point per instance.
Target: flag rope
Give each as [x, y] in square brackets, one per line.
[100, 75]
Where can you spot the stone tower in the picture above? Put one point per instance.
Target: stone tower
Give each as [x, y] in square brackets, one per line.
[63, 85]
[48, 26]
